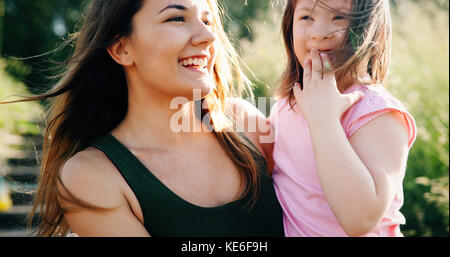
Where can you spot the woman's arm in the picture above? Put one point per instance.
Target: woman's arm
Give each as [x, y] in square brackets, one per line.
[88, 178]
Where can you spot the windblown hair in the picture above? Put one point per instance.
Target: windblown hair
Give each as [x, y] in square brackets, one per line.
[91, 99]
[365, 49]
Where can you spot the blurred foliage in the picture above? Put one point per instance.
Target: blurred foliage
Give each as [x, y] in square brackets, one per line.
[17, 118]
[239, 14]
[44, 23]
[419, 77]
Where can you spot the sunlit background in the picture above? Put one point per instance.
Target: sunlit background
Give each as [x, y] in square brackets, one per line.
[419, 77]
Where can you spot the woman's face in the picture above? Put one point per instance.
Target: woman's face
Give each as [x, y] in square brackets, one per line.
[318, 27]
[172, 45]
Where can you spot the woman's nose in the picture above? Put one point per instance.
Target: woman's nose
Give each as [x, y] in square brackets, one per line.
[203, 35]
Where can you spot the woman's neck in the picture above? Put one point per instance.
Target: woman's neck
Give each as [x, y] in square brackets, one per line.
[154, 120]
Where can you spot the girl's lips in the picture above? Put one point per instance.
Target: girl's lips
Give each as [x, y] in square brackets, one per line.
[322, 51]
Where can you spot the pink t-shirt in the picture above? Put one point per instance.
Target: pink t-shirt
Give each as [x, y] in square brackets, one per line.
[305, 209]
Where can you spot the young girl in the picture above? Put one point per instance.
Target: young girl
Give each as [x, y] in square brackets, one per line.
[339, 158]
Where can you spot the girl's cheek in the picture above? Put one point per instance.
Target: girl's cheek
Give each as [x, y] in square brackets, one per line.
[299, 45]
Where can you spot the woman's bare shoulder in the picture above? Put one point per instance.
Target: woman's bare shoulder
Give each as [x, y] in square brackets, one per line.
[254, 122]
[91, 177]
[238, 105]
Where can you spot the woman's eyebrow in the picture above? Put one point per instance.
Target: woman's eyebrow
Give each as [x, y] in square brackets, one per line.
[174, 6]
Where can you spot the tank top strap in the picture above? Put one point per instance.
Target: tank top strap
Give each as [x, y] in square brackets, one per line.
[133, 171]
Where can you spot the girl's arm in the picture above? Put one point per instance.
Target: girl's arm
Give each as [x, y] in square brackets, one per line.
[359, 176]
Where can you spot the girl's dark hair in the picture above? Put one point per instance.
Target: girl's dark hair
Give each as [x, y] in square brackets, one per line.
[91, 99]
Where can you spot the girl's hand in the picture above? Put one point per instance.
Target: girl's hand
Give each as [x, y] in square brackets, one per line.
[320, 99]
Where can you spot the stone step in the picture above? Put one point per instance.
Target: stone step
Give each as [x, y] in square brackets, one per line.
[15, 233]
[22, 194]
[27, 139]
[16, 218]
[32, 137]
[21, 174]
[13, 162]
[11, 153]
[27, 146]
[19, 198]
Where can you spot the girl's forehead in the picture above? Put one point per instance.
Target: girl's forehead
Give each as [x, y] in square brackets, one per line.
[340, 5]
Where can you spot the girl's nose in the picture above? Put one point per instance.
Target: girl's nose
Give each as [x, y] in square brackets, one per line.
[204, 35]
[321, 32]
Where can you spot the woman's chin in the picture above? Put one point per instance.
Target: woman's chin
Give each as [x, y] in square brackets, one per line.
[197, 92]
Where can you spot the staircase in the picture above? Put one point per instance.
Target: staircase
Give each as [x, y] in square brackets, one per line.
[19, 168]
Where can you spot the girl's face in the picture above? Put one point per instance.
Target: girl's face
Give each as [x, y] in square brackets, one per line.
[172, 45]
[321, 29]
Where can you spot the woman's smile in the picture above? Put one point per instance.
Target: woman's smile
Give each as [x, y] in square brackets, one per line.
[195, 63]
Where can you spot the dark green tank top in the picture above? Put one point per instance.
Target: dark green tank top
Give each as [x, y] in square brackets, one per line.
[167, 215]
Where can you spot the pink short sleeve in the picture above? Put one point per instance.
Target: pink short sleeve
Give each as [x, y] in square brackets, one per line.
[376, 102]
[273, 113]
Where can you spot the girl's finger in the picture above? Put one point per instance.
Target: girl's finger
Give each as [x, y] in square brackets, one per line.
[328, 73]
[326, 62]
[316, 65]
[307, 72]
[297, 87]
[297, 90]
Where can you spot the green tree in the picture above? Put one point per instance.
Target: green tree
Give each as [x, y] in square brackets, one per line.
[2, 15]
[32, 28]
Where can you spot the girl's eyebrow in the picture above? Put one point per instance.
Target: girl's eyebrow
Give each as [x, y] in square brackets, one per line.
[174, 6]
[304, 8]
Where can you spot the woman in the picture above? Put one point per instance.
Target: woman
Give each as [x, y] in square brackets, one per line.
[113, 162]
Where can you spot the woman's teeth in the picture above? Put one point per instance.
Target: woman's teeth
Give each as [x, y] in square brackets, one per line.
[194, 62]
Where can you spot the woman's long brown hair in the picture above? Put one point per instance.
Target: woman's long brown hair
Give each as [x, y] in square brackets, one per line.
[91, 99]
[366, 48]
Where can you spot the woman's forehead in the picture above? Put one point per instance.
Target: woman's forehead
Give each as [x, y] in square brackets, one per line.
[160, 5]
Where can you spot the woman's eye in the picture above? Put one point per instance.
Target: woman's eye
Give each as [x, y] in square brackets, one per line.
[177, 19]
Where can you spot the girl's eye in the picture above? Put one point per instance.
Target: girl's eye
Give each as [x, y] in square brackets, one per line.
[177, 19]
[338, 18]
[306, 18]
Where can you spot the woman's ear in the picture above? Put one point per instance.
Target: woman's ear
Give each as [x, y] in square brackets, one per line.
[120, 52]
